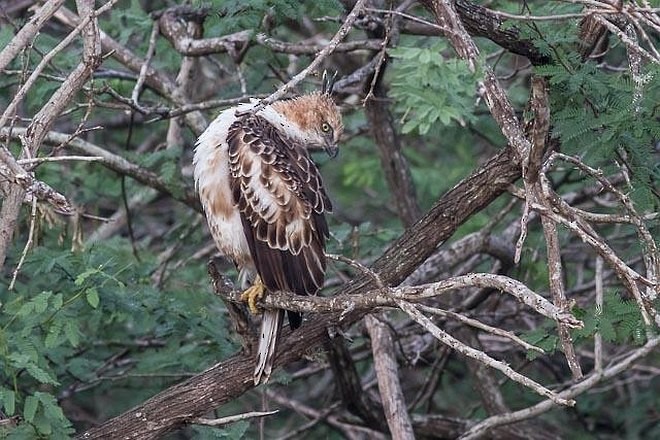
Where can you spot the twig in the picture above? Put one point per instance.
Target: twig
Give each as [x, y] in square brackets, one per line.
[630, 44]
[323, 54]
[432, 380]
[410, 17]
[524, 221]
[346, 429]
[359, 266]
[598, 337]
[135, 95]
[232, 419]
[387, 373]
[555, 17]
[296, 434]
[59, 159]
[34, 189]
[587, 383]
[28, 244]
[306, 48]
[480, 356]
[116, 163]
[480, 325]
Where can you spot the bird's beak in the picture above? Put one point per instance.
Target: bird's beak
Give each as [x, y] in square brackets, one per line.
[331, 149]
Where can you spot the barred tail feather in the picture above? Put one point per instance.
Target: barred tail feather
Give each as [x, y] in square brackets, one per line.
[271, 323]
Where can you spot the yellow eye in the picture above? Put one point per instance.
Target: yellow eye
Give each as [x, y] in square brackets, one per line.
[325, 127]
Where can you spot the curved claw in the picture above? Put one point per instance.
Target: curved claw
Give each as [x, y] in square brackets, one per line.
[252, 294]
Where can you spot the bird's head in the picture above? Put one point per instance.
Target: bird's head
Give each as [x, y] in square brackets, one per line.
[315, 121]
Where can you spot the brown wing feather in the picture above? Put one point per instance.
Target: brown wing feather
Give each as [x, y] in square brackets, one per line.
[280, 195]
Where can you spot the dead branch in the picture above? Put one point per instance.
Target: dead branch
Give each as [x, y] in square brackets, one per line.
[387, 372]
[587, 383]
[154, 78]
[322, 55]
[233, 419]
[114, 162]
[27, 32]
[45, 118]
[225, 381]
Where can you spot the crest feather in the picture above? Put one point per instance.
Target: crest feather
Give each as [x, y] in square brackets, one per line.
[328, 82]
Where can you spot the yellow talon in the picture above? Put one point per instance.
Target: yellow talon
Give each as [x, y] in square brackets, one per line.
[254, 293]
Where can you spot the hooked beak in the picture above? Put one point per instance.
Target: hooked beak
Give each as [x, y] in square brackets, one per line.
[331, 149]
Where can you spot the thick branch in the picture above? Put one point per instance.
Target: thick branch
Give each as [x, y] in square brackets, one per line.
[229, 379]
[387, 373]
[482, 22]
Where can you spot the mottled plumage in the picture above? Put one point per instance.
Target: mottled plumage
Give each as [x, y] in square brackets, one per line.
[264, 198]
[279, 193]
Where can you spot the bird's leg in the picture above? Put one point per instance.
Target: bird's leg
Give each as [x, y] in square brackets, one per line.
[254, 293]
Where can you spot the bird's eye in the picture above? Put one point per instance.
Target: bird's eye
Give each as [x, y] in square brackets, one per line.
[325, 127]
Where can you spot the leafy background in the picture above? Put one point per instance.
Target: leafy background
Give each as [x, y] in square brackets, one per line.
[95, 325]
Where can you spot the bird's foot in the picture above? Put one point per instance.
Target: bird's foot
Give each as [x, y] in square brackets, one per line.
[252, 294]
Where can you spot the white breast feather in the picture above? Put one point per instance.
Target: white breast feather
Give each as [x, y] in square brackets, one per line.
[211, 172]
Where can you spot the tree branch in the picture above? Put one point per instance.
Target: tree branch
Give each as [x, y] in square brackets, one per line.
[45, 118]
[387, 373]
[28, 32]
[229, 379]
[586, 384]
[116, 163]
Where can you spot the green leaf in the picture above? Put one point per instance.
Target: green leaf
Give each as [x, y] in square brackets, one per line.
[92, 296]
[82, 277]
[38, 304]
[40, 374]
[72, 332]
[427, 88]
[30, 408]
[52, 338]
[51, 409]
[8, 398]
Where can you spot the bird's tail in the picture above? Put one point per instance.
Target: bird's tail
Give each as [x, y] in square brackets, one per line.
[270, 330]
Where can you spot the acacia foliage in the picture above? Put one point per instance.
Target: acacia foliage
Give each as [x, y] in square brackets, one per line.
[101, 318]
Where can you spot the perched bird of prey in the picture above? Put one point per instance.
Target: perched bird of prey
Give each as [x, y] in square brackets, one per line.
[265, 202]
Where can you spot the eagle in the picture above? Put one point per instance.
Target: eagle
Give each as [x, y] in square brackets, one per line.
[265, 202]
